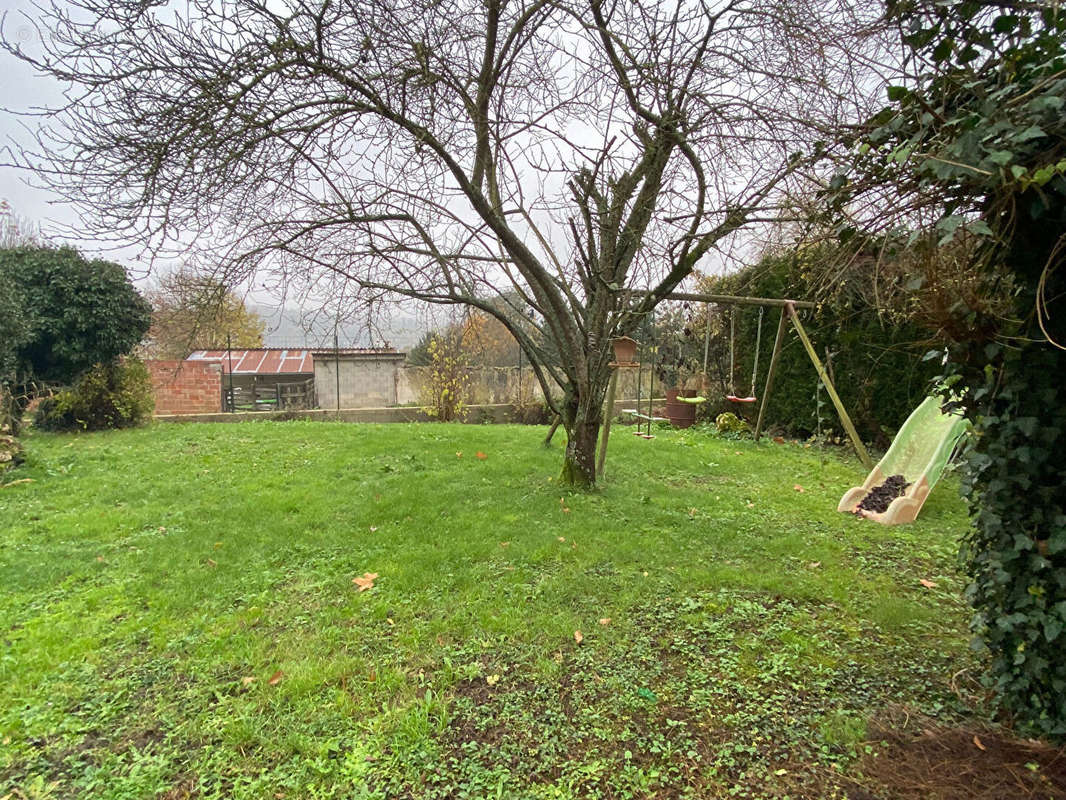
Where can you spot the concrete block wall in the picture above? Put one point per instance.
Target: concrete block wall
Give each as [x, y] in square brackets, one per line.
[183, 387]
[366, 381]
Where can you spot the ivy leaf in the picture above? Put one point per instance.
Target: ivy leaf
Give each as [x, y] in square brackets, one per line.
[897, 93]
[1005, 23]
[1032, 132]
[942, 52]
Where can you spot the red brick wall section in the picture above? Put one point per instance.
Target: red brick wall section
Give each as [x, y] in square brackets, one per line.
[184, 387]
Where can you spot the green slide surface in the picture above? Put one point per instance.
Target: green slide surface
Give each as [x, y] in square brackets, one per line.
[920, 453]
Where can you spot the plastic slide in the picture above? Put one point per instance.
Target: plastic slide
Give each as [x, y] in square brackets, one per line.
[920, 453]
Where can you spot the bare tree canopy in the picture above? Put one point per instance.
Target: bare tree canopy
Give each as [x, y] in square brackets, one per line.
[582, 155]
[191, 311]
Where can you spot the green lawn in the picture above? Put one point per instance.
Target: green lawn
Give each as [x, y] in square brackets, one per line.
[179, 619]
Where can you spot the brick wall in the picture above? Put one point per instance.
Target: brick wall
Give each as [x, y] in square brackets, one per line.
[184, 387]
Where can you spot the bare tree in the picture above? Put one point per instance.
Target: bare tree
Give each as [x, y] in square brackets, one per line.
[583, 156]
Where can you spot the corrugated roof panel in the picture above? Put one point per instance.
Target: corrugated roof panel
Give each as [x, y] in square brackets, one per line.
[271, 363]
[278, 360]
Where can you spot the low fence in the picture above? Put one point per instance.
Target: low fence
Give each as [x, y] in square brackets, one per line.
[476, 414]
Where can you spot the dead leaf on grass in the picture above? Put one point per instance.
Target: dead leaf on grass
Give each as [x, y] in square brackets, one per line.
[928, 584]
[814, 564]
[275, 679]
[578, 637]
[100, 559]
[366, 581]
[779, 439]
[605, 620]
[373, 528]
[247, 679]
[212, 563]
[979, 743]
[481, 455]
[16, 483]
[459, 454]
[562, 504]
[562, 538]
[799, 488]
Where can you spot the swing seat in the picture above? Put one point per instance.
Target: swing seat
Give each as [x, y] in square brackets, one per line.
[734, 399]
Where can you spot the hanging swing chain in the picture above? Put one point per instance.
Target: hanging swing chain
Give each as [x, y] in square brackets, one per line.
[758, 341]
[732, 339]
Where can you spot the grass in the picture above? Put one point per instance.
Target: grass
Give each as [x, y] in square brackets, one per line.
[179, 618]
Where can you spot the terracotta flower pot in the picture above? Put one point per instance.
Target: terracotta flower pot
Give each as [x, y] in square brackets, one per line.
[625, 350]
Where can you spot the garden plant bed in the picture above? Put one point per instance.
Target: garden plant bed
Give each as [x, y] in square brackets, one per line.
[180, 619]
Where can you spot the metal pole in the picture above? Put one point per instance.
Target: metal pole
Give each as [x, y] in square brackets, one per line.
[778, 341]
[736, 300]
[229, 358]
[706, 340]
[337, 368]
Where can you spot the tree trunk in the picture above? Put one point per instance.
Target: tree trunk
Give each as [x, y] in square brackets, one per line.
[579, 463]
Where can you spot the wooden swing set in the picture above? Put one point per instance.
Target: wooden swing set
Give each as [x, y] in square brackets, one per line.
[789, 313]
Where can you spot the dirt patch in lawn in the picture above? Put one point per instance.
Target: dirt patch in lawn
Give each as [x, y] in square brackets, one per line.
[918, 759]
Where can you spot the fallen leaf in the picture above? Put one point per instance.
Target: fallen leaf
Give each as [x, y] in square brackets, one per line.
[247, 679]
[928, 584]
[605, 620]
[373, 528]
[780, 772]
[459, 454]
[738, 452]
[562, 538]
[779, 439]
[162, 529]
[578, 637]
[692, 513]
[481, 455]
[815, 564]
[372, 676]
[366, 581]
[390, 620]
[799, 488]
[562, 504]
[492, 680]
[504, 544]
[100, 559]
[218, 545]
[275, 679]
[751, 504]
[977, 742]
[212, 563]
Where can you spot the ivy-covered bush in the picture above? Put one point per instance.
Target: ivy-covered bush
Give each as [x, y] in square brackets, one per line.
[977, 134]
[1015, 553]
[114, 395]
